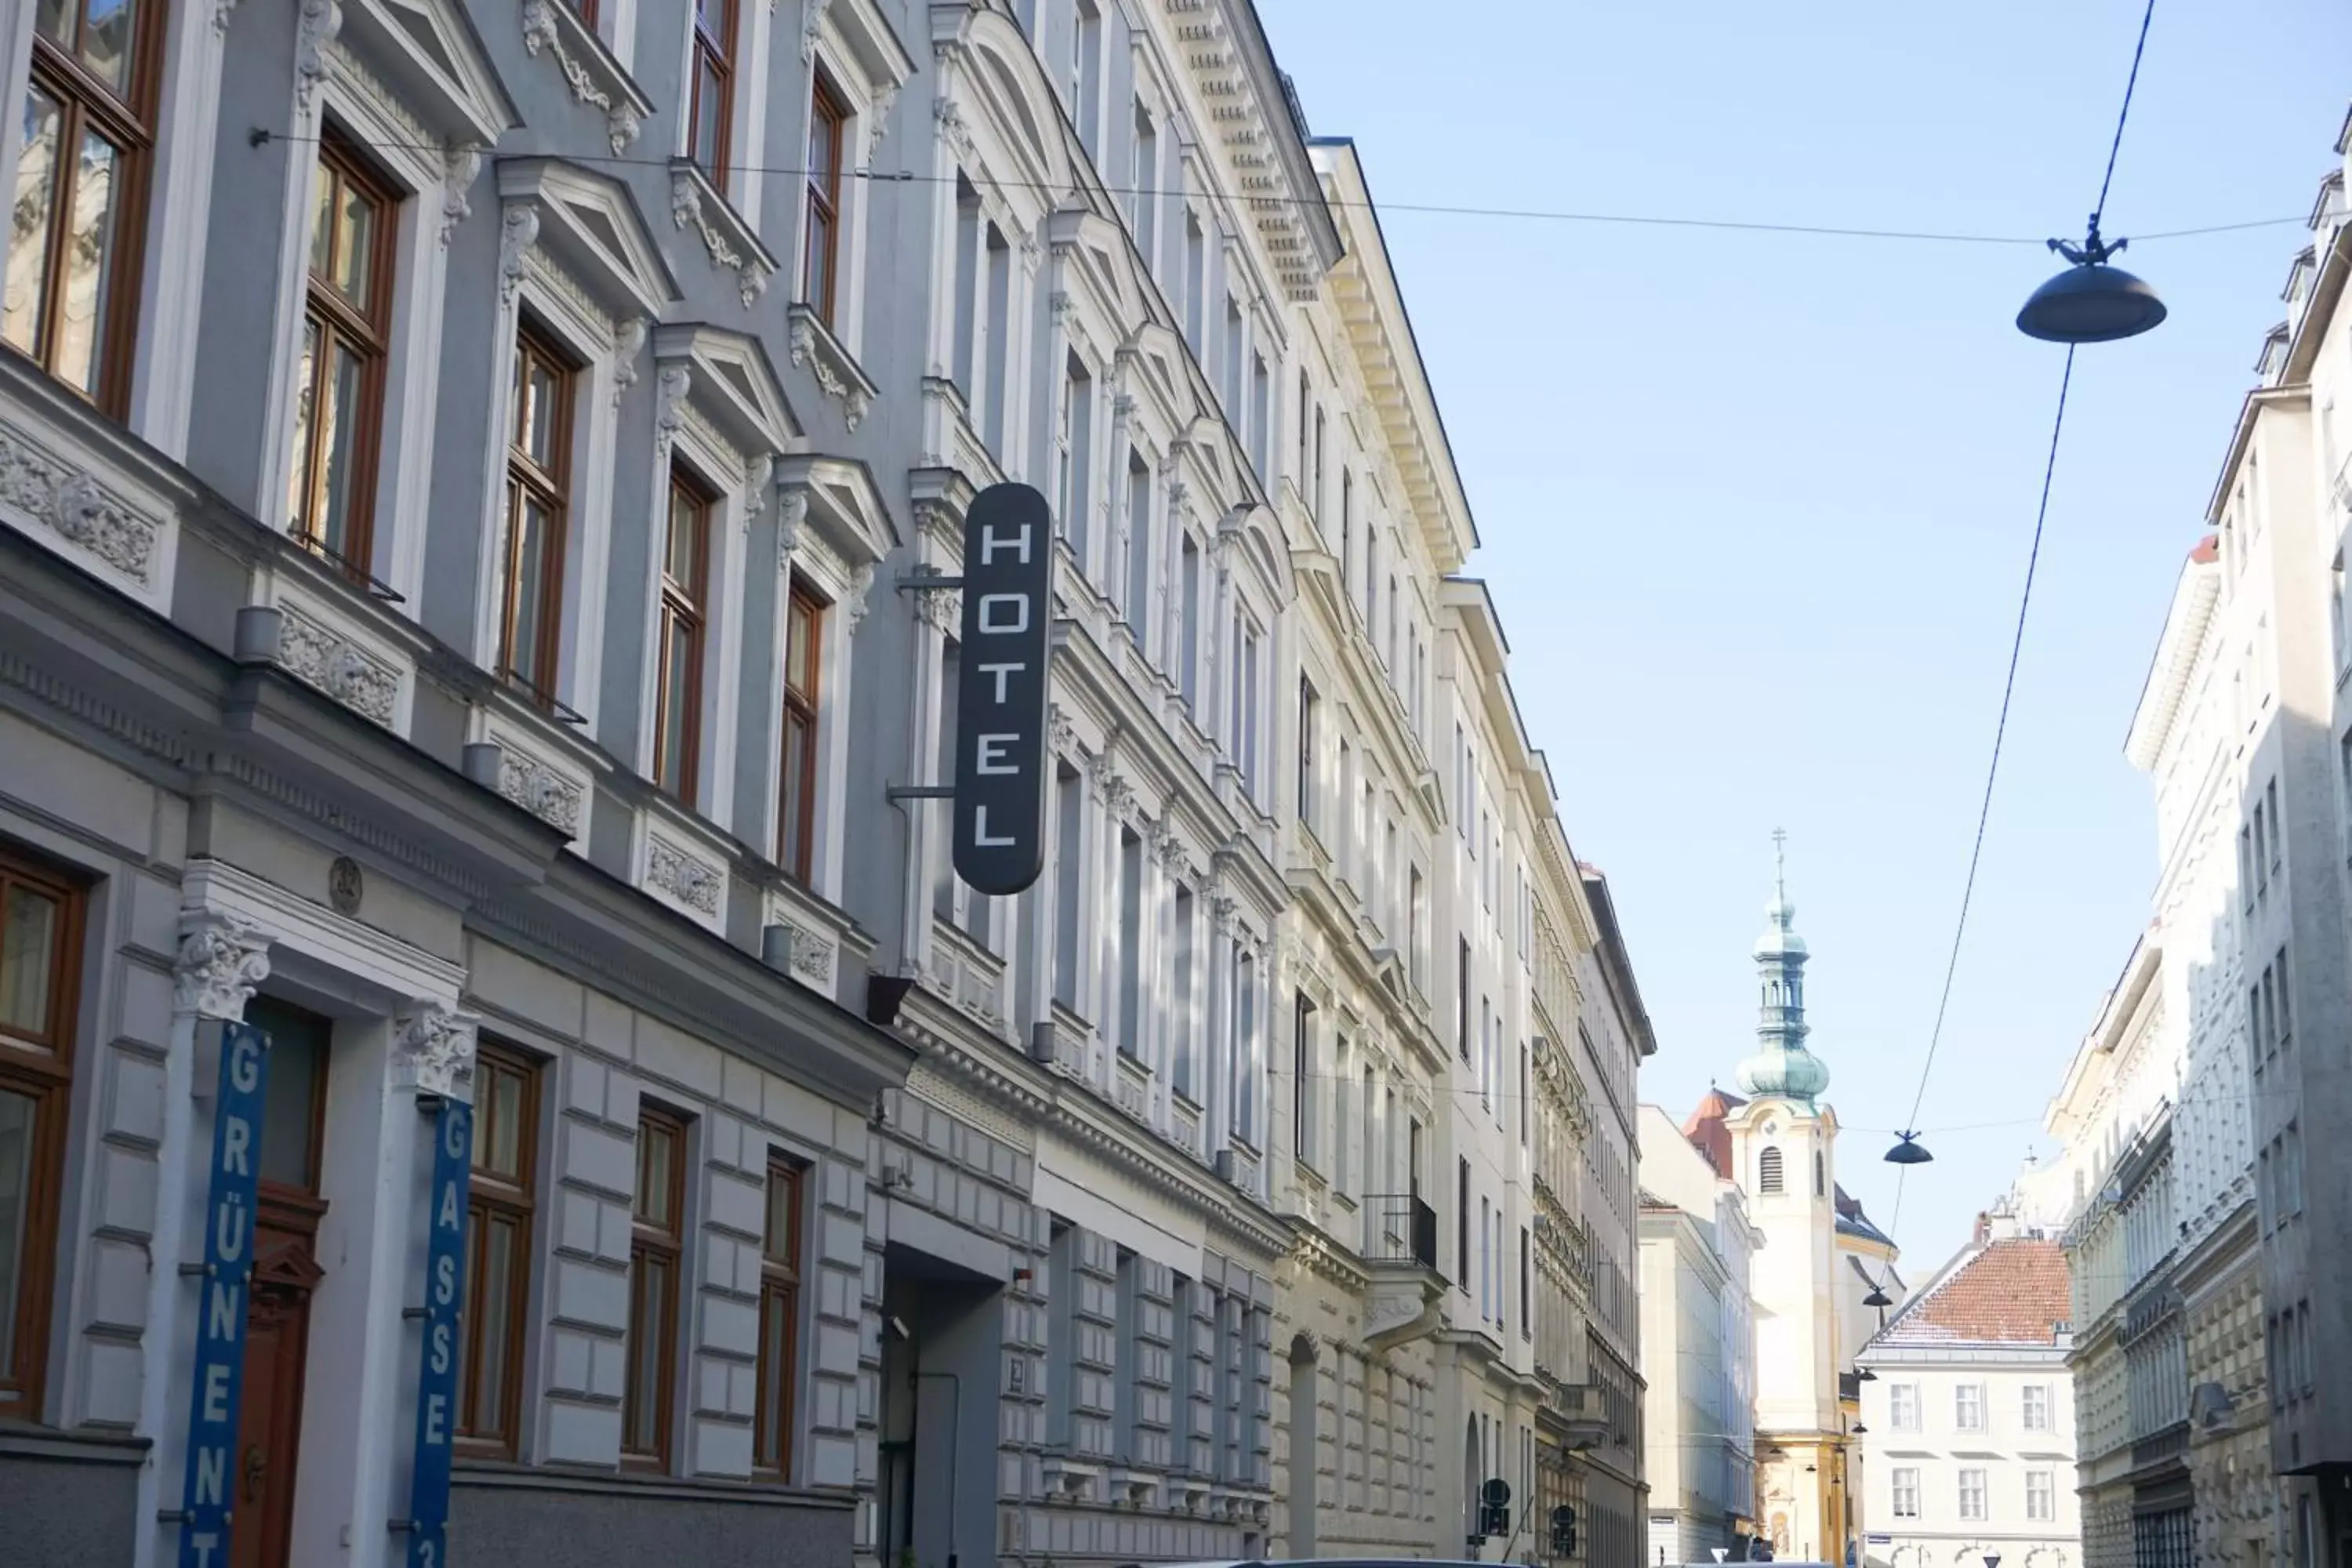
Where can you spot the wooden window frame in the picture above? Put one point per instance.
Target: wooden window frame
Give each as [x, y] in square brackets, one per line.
[686, 602]
[648, 1239]
[551, 488]
[796, 797]
[491, 1193]
[823, 193]
[130, 123]
[46, 1079]
[781, 1276]
[718, 48]
[364, 329]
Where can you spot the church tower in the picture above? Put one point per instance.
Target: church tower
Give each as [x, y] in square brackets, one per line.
[1783, 1154]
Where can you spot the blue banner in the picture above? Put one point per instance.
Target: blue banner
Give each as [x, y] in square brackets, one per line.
[205, 1498]
[437, 1376]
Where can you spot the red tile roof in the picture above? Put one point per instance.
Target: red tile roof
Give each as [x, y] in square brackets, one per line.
[2011, 1292]
[1707, 1132]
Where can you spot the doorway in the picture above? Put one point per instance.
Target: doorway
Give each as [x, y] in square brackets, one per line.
[285, 1274]
[942, 1339]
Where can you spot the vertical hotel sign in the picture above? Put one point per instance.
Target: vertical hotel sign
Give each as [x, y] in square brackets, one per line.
[999, 769]
[227, 1285]
[436, 1377]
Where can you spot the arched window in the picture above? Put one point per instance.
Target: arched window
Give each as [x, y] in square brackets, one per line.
[1820, 1176]
[1768, 1171]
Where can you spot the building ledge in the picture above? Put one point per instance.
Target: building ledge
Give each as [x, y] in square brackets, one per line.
[489, 1476]
[20, 1440]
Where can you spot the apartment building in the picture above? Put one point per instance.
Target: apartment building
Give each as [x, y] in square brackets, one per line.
[484, 497]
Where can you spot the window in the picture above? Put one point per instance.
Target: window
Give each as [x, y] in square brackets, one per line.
[712, 106]
[2278, 825]
[1302, 1097]
[1086, 66]
[1821, 1176]
[1073, 442]
[655, 1247]
[339, 398]
[2040, 1496]
[81, 184]
[828, 129]
[1768, 1171]
[1968, 1407]
[1307, 705]
[538, 520]
[2036, 1412]
[1972, 1494]
[1462, 1001]
[1903, 1406]
[1143, 199]
[678, 703]
[780, 1321]
[1486, 1260]
[1906, 1494]
[1462, 1227]
[498, 1247]
[797, 769]
[2285, 1036]
[1526, 1285]
[40, 940]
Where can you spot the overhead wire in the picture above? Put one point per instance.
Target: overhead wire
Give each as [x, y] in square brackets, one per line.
[2017, 643]
[260, 136]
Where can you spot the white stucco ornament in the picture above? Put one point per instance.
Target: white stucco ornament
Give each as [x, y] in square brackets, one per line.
[433, 1051]
[221, 959]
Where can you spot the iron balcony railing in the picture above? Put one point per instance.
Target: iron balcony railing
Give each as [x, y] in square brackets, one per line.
[1399, 1227]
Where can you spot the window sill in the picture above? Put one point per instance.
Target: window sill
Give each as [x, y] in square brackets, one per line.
[505, 1475]
[838, 375]
[594, 72]
[695, 203]
[25, 1440]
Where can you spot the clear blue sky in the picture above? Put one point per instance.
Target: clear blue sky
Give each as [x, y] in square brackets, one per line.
[1756, 508]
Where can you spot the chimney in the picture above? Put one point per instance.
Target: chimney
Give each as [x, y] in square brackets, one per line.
[1984, 1229]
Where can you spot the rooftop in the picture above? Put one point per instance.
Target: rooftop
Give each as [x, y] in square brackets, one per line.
[2011, 1292]
[1707, 1132]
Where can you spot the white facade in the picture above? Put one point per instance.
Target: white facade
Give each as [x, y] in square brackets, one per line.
[1698, 1347]
[1970, 1454]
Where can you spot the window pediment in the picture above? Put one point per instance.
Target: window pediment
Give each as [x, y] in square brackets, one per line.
[1004, 75]
[731, 383]
[844, 505]
[695, 203]
[590, 223]
[427, 52]
[858, 30]
[552, 28]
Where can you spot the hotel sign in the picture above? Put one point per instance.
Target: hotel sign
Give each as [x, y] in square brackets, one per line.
[1001, 752]
[206, 1499]
[436, 1377]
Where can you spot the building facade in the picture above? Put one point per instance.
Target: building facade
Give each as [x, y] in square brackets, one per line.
[1698, 1346]
[524, 678]
[1968, 1412]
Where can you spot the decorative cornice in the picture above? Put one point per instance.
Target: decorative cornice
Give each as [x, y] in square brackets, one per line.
[221, 959]
[815, 349]
[327, 659]
[726, 252]
[73, 505]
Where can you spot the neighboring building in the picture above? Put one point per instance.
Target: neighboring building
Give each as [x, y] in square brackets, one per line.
[1698, 1344]
[462, 607]
[2118, 1091]
[1821, 1257]
[1968, 1413]
[2207, 1219]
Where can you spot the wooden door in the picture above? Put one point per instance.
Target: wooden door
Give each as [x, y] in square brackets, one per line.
[269, 1423]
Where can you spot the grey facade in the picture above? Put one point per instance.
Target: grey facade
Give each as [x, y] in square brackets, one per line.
[461, 611]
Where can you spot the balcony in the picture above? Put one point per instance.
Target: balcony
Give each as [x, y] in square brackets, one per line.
[1578, 1413]
[1400, 1255]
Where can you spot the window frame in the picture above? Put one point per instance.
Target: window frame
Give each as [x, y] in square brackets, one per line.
[131, 123]
[48, 1082]
[1964, 1417]
[821, 190]
[782, 1279]
[649, 1239]
[689, 603]
[364, 328]
[796, 799]
[534, 343]
[519, 1201]
[1899, 1490]
[720, 50]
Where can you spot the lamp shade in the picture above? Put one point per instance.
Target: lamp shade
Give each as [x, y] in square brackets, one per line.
[1907, 1151]
[2090, 303]
[1877, 1298]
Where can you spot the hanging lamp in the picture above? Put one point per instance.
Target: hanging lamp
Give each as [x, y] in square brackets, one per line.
[1907, 1151]
[2090, 302]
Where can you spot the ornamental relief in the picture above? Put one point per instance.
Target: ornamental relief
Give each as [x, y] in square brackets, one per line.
[688, 878]
[75, 508]
[331, 662]
[552, 797]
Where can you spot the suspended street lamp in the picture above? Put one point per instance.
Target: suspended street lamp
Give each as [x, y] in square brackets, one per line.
[1907, 1151]
[1877, 1298]
[2090, 302]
